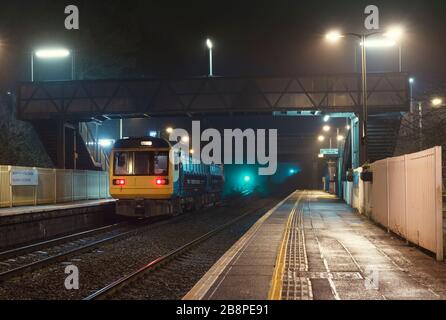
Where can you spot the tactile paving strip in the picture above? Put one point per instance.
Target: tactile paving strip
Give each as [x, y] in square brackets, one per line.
[296, 284]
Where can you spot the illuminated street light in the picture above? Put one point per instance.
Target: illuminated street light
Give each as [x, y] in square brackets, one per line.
[210, 46]
[169, 130]
[321, 138]
[191, 151]
[326, 128]
[52, 54]
[333, 36]
[348, 127]
[395, 33]
[340, 138]
[58, 53]
[411, 82]
[437, 102]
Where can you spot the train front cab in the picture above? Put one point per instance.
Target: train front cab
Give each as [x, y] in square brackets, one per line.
[142, 178]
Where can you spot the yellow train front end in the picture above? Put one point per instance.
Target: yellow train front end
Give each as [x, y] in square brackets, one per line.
[142, 178]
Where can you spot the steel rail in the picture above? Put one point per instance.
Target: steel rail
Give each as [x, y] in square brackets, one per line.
[112, 288]
[53, 242]
[17, 271]
[44, 262]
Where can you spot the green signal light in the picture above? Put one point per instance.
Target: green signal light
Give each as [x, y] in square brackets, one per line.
[247, 178]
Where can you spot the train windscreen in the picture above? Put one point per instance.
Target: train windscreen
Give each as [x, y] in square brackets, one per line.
[141, 163]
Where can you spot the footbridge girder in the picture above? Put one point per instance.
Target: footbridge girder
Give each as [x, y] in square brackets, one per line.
[108, 99]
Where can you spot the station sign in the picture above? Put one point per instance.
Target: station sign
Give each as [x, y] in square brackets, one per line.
[330, 152]
[24, 177]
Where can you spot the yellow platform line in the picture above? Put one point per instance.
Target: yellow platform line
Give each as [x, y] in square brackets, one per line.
[275, 292]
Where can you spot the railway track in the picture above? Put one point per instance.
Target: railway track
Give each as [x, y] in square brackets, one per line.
[114, 288]
[17, 261]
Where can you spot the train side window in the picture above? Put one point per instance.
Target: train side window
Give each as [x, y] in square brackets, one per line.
[123, 163]
[161, 160]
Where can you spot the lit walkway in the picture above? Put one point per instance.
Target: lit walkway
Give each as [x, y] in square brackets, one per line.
[321, 249]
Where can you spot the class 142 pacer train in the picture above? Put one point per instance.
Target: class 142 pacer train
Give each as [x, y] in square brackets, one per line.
[149, 177]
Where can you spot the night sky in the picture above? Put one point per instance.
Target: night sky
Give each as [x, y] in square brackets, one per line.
[167, 38]
[142, 38]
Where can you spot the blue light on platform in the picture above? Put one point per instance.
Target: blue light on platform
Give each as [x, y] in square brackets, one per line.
[153, 134]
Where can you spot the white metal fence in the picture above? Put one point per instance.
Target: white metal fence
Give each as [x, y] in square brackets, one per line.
[54, 186]
[405, 197]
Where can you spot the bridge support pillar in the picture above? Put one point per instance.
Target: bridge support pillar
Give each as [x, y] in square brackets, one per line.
[65, 145]
[60, 144]
[356, 142]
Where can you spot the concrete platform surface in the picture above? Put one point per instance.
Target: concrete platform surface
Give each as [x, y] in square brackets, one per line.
[314, 246]
[7, 212]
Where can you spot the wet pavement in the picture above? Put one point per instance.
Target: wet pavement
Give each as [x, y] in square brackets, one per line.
[315, 247]
[360, 260]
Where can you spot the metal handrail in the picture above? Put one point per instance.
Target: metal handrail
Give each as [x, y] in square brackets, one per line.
[98, 154]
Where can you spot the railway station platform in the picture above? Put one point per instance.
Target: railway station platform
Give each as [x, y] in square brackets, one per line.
[20, 211]
[20, 225]
[313, 246]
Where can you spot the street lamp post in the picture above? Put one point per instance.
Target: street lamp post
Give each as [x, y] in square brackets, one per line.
[32, 66]
[210, 46]
[334, 36]
[411, 82]
[420, 124]
[363, 116]
[363, 154]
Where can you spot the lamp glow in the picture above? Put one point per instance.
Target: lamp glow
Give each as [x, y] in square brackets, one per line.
[326, 128]
[209, 44]
[56, 53]
[326, 118]
[395, 33]
[333, 36]
[321, 138]
[436, 102]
